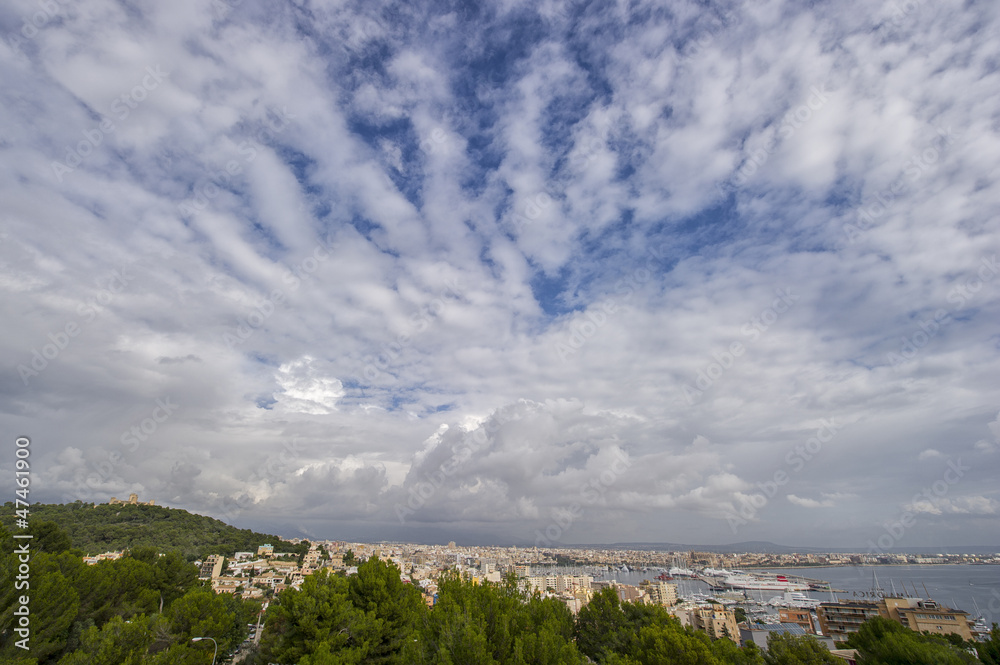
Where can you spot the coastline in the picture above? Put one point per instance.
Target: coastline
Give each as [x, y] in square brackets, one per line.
[861, 565]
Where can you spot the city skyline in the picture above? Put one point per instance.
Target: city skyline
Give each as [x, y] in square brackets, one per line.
[573, 273]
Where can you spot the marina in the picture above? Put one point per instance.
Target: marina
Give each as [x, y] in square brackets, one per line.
[975, 589]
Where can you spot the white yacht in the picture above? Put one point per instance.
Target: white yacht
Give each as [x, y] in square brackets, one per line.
[795, 599]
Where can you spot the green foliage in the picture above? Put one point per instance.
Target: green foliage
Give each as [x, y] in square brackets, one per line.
[119, 642]
[883, 642]
[989, 651]
[787, 649]
[726, 651]
[49, 537]
[391, 608]
[609, 631]
[669, 644]
[370, 616]
[493, 623]
[103, 528]
[601, 627]
[317, 619]
[57, 601]
[201, 613]
[110, 612]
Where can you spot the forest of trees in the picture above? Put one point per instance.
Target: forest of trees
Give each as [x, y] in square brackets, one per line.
[104, 528]
[145, 608]
[141, 609]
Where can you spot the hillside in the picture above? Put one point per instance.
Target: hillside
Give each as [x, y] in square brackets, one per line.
[102, 528]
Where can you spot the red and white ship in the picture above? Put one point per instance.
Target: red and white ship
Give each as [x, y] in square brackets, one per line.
[778, 583]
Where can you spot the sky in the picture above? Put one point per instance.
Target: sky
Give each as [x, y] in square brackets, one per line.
[534, 273]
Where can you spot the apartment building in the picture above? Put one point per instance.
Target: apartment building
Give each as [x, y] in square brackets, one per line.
[839, 620]
[715, 620]
[660, 593]
[227, 584]
[797, 616]
[926, 615]
[211, 567]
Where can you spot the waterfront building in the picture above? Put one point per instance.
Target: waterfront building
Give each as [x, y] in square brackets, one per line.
[926, 615]
[839, 620]
[798, 616]
[660, 593]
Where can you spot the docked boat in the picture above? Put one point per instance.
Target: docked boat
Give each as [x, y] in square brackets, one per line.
[716, 572]
[779, 583]
[682, 572]
[794, 599]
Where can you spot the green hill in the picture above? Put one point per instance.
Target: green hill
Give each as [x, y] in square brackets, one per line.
[103, 528]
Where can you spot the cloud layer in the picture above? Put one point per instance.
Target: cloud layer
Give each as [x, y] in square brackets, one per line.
[706, 273]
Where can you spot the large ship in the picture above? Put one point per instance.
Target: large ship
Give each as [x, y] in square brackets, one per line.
[778, 583]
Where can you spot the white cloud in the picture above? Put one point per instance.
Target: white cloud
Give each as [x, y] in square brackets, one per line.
[810, 503]
[962, 505]
[372, 246]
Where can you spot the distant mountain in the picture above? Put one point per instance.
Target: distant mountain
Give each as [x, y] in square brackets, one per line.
[103, 528]
[750, 546]
[764, 547]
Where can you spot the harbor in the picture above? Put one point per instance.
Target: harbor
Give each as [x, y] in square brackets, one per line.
[762, 595]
